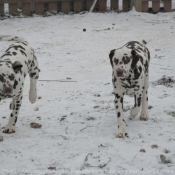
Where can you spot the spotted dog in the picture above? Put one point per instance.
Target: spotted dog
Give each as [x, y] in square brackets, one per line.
[17, 61]
[130, 65]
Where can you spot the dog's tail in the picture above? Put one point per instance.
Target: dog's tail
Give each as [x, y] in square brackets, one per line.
[12, 38]
[146, 42]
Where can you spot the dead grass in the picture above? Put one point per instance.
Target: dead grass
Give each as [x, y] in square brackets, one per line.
[165, 81]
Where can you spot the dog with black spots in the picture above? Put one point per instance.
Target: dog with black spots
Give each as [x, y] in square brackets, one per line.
[17, 61]
[130, 68]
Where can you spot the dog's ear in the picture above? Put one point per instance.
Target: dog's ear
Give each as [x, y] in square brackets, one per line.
[17, 66]
[135, 59]
[111, 55]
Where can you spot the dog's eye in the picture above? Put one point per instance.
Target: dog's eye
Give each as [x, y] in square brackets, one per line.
[11, 77]
[126, 60]
[116, 61]
[1, 78]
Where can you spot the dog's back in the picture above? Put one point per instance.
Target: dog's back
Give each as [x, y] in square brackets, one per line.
[18, 51]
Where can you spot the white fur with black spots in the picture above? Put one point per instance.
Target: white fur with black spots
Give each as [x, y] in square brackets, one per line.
[130, 76]
[17, 61]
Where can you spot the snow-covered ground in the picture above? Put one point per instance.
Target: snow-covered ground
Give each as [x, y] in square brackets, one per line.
[79, 124]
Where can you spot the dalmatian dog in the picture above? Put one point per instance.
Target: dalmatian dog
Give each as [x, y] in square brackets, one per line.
[130, 65]
[17, 61]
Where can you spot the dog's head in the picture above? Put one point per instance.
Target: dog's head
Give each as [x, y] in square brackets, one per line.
[8, 72]
[123, 60]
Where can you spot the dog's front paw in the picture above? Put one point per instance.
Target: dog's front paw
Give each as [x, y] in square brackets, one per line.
[1, 138]
[134, 112]
[122, 131]
[122, 135]
[144, 117]
[9, 130]
[32, 96]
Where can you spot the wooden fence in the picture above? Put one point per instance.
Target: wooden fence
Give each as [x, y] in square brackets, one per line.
[39, 7]
[143, 6]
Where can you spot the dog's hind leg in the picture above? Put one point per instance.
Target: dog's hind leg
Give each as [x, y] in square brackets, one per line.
[144, 112]
[34, 75]
[17, 101]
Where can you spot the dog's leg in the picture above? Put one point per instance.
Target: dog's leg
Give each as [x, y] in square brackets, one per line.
[118, 104]
[144, 112]
[137, 105]
[34, 75]
[10, 128]
[1, 138]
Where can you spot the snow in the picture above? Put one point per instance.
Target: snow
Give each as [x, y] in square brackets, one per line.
[78, 117]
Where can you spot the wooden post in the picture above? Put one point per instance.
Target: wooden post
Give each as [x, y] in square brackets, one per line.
[39, 8]
[46, 7]
[26, 7]
[53, 7]
[114, 5]
[71, 5]
[78, 6]
[138, 5]
[156, 5]
[13, 9]
[126, 5]
[89, 4]
[65, 7]
[1, 9]
[167, 5]
[59, 6]
[19, 4]
[96, 7]
[102, 5]
[83, 5]
[145, 6]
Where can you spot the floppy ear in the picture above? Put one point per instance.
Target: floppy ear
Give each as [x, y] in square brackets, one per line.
[111, 55]
[17, 66]
[135, 59]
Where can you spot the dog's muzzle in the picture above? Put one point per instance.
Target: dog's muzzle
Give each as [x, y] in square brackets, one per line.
[7, 89]
[120, 72]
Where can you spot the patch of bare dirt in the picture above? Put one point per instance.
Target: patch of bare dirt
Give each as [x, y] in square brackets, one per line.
[35, 125]
[165, 81]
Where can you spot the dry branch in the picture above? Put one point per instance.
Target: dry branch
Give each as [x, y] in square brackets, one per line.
[58, 80]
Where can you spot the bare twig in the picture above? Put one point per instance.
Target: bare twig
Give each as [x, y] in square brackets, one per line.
[63, 137]
[86, 158]
[20, 30]
[106, 83]
[149, 163]
[58, 80]
[134, 157]
[85, 128]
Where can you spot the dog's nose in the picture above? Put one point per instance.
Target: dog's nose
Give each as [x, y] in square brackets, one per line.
[120, 73]
[7, 89]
